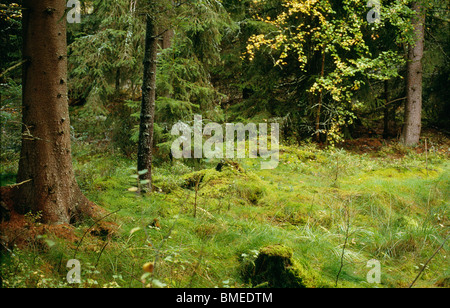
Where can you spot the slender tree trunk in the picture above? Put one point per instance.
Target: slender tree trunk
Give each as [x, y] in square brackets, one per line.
[45, 166]
[145, 146]
[387, 130]
[319, 104]
[117, 88]
[166, 39]
[413, 108]
[164, 42]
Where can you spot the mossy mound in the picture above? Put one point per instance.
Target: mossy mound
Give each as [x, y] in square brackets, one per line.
[274, 267]
[232, 179]
[200, 177]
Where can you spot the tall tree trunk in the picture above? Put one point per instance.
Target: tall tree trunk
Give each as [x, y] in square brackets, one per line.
[413, 108]
[387, 129]
[145, 146]
[45, 166]
[164, 42]
[166, 39]
[319, 104]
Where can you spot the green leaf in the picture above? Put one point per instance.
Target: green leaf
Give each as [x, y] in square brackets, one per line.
[142, 172]
[158, 284]
[50, 243]
[145, 276]
[134, 230]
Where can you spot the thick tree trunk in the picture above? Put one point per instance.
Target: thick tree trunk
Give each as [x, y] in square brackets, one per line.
[45, 166]
[145, 146]
[413, 108]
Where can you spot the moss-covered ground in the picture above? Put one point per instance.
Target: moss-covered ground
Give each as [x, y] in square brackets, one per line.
[333, 209]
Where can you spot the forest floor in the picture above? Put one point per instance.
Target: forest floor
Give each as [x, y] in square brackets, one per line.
[335, 208]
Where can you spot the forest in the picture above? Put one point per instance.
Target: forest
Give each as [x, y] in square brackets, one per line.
[231, 144]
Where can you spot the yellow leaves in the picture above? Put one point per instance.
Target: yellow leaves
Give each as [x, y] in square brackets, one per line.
[254, 43]
[289, 38]
[147, 277]
[281, 38]
[280, 62]
[307, 7]
[293, 33]
[257, 41]
[301, 6]
[148, 267]
[294, 8]
[10, 11]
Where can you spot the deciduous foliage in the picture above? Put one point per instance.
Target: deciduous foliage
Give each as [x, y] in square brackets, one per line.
[331, 43]
[321, 68]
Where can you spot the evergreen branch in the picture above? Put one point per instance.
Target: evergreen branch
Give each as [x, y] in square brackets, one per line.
[13, 67]
[438, 43]
[382, 106]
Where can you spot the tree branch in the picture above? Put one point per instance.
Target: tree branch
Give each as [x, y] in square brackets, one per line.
[428, 261]
[13, 67]
[19, 184]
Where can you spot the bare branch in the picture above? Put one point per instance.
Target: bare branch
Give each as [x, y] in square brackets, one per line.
[13, 67]
[428, 261]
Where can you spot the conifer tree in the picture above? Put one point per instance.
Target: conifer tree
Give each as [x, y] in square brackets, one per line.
[46, 180]
[147, 117]
[413, 108]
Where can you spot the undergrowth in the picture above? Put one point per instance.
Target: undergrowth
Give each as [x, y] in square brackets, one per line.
[334, 209]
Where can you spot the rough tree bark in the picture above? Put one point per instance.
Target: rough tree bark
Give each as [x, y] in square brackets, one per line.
[145, 146]
[413, 109]
[45, 166]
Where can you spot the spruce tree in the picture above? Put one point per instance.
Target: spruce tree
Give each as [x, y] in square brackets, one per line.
[46, 180]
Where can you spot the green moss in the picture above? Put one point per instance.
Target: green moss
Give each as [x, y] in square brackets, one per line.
[303, 155]
[207, 177]
[406, 222]
[250, 191]
[208, 230]
[277, 251]
[398, 215]
[232, 180]
[275, 267]
[399, 173]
